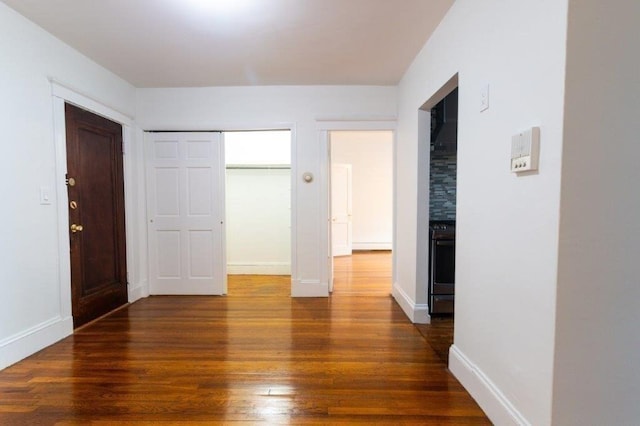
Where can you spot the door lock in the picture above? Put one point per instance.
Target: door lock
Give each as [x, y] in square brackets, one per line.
[76, 228]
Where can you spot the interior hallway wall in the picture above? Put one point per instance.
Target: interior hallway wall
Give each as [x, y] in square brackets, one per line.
[506, 251]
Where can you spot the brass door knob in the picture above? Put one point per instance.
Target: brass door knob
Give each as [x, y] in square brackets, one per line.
[76, 228]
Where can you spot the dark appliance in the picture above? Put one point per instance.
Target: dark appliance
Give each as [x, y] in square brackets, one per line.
[442, 266]
[444, 124]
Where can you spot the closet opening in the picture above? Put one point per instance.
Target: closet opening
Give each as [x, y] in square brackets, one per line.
[258, 211]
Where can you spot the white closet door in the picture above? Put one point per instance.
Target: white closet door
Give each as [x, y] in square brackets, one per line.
[185, 212]
[341, 194]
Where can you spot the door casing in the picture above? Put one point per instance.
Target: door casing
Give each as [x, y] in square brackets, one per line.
[62, 94]
[324, 128]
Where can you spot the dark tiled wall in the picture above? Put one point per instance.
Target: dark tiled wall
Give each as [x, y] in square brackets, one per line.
[442, 186]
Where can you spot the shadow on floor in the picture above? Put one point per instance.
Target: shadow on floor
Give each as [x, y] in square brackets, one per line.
[439, 335]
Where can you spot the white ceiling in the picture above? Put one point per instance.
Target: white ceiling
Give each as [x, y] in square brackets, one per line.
[191, 43]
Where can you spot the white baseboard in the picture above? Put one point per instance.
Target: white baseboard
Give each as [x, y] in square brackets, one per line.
[259, 268]
[139, 291]
[28, 342]
[309, 288]
[417, 313]
[372, 246]
[492, 401]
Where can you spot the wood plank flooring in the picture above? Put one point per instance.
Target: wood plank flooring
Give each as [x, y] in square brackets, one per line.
[366, 273]
[256, 356]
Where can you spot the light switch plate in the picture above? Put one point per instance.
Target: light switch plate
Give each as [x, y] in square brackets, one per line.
[45, 195]
[484, 98]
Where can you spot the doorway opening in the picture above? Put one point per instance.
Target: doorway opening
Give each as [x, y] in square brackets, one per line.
[258, 211]
[361, 208]
[437, 187]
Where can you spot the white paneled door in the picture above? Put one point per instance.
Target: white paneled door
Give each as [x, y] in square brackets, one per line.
[341, 199]
[185, 213]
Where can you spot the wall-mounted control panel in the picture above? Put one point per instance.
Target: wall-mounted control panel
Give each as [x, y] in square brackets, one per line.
[525, 150]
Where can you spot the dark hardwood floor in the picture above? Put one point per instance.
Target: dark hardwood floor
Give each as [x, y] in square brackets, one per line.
[256, 356]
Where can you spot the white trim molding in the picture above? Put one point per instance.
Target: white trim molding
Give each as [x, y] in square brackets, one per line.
[417, 313]
[64, 261]
[492, 401]
[372, 246]
[309, 288]
[356, 123]
[259, 268]
[76, 97]
[20, 346]
[139, 291]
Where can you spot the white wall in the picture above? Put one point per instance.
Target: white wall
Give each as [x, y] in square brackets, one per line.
[371, 157]
[505, 286]
[597, 379]
[271, 147]
[258, 202]
[299, 108]
[258, 207]
[32, 314]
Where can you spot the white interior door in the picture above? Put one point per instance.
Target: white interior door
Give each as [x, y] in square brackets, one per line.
[341, 195]
[185, 212]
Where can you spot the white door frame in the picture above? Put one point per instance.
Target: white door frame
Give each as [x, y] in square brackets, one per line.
[420, 305]
[324, 178]
[239, 127]
[62, 94]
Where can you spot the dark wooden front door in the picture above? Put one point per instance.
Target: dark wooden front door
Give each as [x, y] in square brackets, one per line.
[96, 214]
